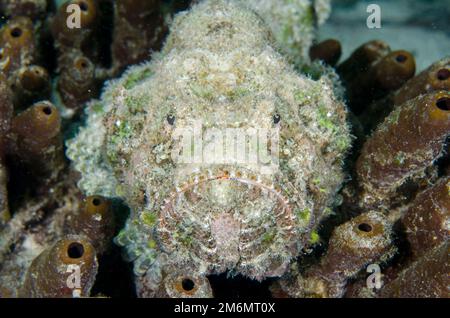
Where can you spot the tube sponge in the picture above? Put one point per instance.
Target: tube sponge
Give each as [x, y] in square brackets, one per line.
[139, 29]
[17, 41]
[427, 219]
[434, 78]
[353, 245]
[362, 58]
[361, 241]
[328, 51]
[33, 9]
[74, 37]
[6, 114]
[77, 82]
[383, 76]
[293, 23]
[36, 135]
[219, 67]
[32, 84]
[67, 269]
[95, 221]
[181, 282]
[427, 277]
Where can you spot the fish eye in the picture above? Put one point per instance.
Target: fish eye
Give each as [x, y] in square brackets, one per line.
[171, 119]
[276, 118]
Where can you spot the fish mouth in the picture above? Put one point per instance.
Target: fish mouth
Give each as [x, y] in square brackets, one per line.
[227, 222]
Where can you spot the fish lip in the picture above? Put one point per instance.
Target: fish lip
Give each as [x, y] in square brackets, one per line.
[293, 237]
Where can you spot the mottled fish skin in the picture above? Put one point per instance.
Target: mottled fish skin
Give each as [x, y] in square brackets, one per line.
[220, 67]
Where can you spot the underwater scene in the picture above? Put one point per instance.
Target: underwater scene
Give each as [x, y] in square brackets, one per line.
[224, 148]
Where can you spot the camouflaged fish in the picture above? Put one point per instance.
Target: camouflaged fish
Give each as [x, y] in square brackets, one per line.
[220, 73]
